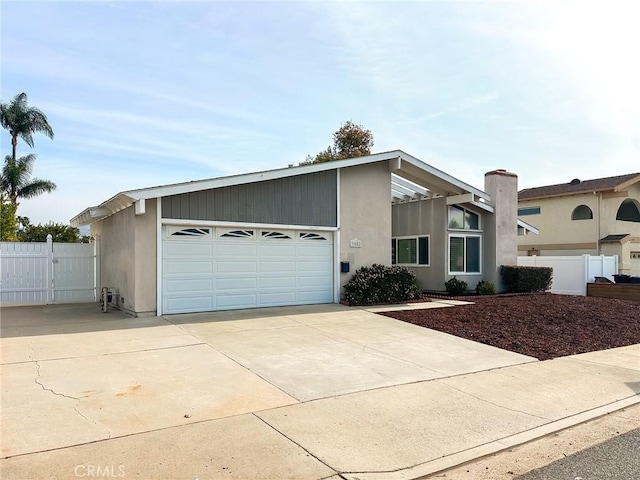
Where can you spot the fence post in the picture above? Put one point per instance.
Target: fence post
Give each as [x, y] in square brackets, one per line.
[49, 269]
[586, 274]
[96, 266]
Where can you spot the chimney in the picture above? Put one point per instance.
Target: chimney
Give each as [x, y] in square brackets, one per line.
[501, 235]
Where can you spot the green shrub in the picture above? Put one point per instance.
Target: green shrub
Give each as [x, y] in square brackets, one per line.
[526, 279]
[381, 284]
[455, 287]
[485, 288]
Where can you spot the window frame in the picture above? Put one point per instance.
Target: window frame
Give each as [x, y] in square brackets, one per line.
[582, 206]
[464, 254]
[464, 212]
[524, 211]
[621, 214]
[394, 251]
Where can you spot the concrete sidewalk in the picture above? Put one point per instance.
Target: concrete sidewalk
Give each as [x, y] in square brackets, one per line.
[257, 423]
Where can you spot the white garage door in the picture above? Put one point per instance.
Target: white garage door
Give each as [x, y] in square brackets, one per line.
[213, 268]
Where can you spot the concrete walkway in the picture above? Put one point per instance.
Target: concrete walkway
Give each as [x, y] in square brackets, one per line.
[296, 392]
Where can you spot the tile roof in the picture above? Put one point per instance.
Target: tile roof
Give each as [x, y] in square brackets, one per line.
[576, 186]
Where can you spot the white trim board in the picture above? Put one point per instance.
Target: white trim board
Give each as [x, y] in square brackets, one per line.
[212, 223]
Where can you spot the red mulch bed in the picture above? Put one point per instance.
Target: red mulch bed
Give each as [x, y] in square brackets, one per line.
[541, 325]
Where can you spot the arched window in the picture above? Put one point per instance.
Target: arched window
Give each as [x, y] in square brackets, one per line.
[628, 211]
[582, 212]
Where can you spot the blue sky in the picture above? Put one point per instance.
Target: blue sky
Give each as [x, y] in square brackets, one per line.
[148, 93]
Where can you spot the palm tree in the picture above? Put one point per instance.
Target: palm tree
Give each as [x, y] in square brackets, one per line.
[23, 121]
[16, 181]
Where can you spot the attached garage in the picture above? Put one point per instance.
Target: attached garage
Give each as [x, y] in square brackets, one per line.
[290, 236]
[207, 268]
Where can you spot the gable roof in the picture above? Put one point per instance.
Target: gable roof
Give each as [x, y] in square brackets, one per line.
[576, 186]
[405, 166]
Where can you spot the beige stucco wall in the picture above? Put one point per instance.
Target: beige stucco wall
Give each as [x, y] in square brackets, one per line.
[128, 257]
[146, 259]
[559, 235]
[365, 215]
[425, 217]
[501, 230]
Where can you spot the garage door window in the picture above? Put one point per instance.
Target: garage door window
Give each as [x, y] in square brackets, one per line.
[191, 232]
[278, 235]
[237, 233]
[311, 236]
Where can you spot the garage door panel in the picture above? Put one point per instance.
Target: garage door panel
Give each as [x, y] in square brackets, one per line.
[267, 266]
[187, 249]
[315, 296]
[315, 250]
[319, 282]
[189, 304]
[276, 250]
[242, 283]
[212, 272]
[277, 298]
[182, 267]
[188, 285]
[320, 267]
[248, 248]
[237, 301]
[277, 282]
[236, 266]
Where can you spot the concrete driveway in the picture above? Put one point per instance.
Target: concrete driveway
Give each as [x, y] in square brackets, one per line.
[91, 376]
[295, 392]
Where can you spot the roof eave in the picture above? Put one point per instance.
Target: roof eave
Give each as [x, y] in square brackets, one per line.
[105, 209]
[627, 184]
[528, 227]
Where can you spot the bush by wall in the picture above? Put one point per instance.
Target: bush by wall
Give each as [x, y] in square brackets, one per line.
[526, 279]
[485, 288]
[455, 287]
[381, 284]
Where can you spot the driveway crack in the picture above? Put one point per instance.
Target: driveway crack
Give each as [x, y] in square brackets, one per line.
[493, 403]
[298, 444]
[58, 394]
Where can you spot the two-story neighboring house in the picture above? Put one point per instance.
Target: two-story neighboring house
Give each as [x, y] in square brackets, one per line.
[597, 217]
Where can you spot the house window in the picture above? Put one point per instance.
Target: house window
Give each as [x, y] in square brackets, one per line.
[410, 251]
[582, 212]
[463, 219]
[628, 211]
[528, 211]
[464, 254]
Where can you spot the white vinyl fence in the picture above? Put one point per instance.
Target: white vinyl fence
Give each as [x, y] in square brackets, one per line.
[39, 273]
[572, 273]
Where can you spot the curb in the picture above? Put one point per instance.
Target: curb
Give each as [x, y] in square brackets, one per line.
[450, 461]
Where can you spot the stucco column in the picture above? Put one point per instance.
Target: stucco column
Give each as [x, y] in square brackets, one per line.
[501, 233]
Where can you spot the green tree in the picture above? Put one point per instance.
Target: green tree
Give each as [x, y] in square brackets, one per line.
[60, 233]
[349, 141]
[352, 140]
[7, 219]
[23, 121]
[16, 181]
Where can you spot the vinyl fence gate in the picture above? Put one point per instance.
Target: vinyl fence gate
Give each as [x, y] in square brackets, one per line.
[42, 273]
